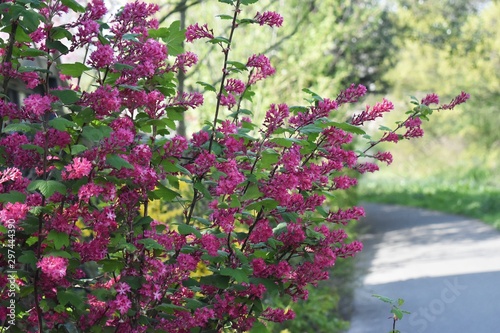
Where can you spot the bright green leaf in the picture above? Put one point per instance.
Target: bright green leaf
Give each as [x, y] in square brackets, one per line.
[61, 123]
[150, 244]
[66, 96]
[47, 187]
[60, 239]
[259, 327]
[185, 229]
[74, 5]
[75, 69]
[238, 274]
[12, 197]
[118, 162]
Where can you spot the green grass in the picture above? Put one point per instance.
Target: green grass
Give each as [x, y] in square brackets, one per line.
[467, 198]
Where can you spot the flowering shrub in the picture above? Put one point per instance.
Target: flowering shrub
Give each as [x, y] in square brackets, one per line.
[80, 167]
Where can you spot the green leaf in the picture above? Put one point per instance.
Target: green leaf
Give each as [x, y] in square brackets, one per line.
[62, 254]
[77, 149]
[219, 281]
[121, 67]
[151, 244]
[175, 114]
[131, 37]
[207, 86]
[252, 193]
[346, 127]
[57, 33]
[311, 128]
[31, 20]
[31, 52]
[267, 203]
[66, 96]
[235, 202]
[112, 265]
[225, 17]
[170, 308]
[60, 239]
[217, 40]
[61, 123]
[383, 298]
[175, 39]
[259, 327]
[238, 274]
[20, 127]
[57, 45]
[118, 162]
[248, 2]
[238, 65]
[164, 193]
[64, 297]
[201, 187]
[75, 6]
[397, 312]
[96, 133]
[28, 257]
[315, 96]
[28, 146]
[286, 142]
[269, 157]
[186, 229]
[47, 187]
[75, 70]
[12, 197]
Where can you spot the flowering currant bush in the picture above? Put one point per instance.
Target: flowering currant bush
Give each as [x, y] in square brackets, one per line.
[80, 167]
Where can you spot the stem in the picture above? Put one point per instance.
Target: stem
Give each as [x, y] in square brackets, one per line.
[373, 144]
[191, 207]
[224, 73]
[8, 54]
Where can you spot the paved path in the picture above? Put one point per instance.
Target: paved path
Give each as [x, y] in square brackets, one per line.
[446, 268]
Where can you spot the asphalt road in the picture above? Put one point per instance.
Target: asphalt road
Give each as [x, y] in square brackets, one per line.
[445, 267]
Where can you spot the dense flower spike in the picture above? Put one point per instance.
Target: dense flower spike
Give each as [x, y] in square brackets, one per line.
[460, 99]
[271, 19]
[261, 68]
[125, 226]
[430, 99]
[196, 31]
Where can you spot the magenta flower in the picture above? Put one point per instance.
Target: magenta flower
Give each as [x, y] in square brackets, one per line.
[351, 94]
[271, 19]
[390, 137]
[53, 267]
[373, 113]
[235, 86]
[275, 117]
[194, 31]
[80, 167]
[184, 61]
[36, 105]
[460, 99]
[102, 57]
[262, 68]
[384, 157]
[430, 99]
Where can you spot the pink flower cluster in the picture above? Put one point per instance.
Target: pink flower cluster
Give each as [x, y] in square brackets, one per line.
[271, 19]
[196, 31]
[261, 68]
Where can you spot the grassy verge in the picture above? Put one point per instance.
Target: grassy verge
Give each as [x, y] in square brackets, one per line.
[471, 199]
